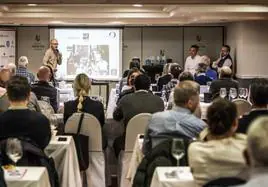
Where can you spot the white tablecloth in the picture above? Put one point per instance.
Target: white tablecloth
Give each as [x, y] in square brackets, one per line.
[136, 159]
[184, 178]
[33, 177]
[111, 104]
[66, 162]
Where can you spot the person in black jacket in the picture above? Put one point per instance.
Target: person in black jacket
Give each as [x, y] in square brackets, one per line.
[259, 100]
[43, 90]
[18, 120]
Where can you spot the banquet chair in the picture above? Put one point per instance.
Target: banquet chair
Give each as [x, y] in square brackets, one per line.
[48, 111]
[90, 127]
[135, 126]
[243, 106]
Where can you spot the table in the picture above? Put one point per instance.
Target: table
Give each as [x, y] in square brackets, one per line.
[136, 159]
[33, 177]
[184, 177]
[66, 162]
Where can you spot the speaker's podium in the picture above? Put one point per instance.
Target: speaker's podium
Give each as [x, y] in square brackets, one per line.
[152, 70]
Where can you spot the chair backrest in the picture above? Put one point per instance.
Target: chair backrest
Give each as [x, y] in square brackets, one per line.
[243, 106]
[90, 127]
[45, 107]
[225, 181]
[135, 126]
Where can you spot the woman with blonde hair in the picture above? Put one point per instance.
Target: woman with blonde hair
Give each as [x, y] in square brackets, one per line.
[83, 103]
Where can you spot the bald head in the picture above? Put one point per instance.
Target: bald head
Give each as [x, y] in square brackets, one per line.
[43, 73]
[54, 44]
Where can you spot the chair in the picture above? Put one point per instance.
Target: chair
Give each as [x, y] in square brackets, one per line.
[243, 106]
[48, 111]
[135, 126]
[225, 181]
[91, 128]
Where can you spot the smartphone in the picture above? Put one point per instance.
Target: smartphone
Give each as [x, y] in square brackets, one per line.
[62, 139]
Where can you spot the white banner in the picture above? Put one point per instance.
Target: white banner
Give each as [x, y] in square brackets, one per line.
[7, 47]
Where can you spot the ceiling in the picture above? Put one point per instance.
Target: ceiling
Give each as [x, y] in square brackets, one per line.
[122, 12]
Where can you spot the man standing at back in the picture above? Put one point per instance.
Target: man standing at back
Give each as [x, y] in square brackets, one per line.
[225, 58]
[180, 121]
[141, 101]
[193, 60]
[53, 56]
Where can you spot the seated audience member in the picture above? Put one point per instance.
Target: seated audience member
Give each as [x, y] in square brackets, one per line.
[22, 69]
[132, 64]
[43, 90]
[259, 100]
[4, 77]
[129, 88]
[83, 103]
[18, 120]
[175, 71]
[200, 76]
[211, 73]
[179, 121]
[12, 68]
[165, 78]
[256, 154]
[184, 76]
[141, 101]
[219, 153]
[225, 81]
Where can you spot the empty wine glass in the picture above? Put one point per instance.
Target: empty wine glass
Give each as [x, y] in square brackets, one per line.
[233, 93]
[178, 149]
[245, 95]
[14, 149]
[241, 92]
[223, 92]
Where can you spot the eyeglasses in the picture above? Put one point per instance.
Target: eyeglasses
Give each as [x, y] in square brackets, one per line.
[54, 43]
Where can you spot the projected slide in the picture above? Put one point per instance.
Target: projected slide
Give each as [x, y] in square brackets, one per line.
[96, 52]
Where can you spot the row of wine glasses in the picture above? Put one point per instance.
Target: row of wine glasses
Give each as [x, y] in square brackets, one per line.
[242, 93]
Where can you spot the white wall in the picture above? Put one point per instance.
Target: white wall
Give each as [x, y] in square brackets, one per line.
[32, 42]
[249, 43]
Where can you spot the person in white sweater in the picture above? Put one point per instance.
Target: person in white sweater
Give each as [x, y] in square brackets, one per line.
[220, 151]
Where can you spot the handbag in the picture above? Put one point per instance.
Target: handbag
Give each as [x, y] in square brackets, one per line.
[81, 144]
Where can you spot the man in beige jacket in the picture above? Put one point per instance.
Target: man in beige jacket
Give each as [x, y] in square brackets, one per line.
[52, 56]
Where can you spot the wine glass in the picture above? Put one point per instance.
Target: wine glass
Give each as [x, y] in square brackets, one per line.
[241, 92]
[223, 92]
[245, 95]
[14, 149]
[233, 93]
[178, 149]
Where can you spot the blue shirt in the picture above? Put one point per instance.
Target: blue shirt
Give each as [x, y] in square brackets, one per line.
[178, 121]
[22, 71]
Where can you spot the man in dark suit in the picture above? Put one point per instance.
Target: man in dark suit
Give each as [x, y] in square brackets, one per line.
[141, 101]
[43, 90]
[225, 81]
[259, 100]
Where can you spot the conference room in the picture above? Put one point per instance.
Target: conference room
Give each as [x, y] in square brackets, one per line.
[132, 93]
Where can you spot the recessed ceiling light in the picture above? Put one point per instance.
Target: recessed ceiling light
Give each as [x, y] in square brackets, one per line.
[31, 4]
[137, 5]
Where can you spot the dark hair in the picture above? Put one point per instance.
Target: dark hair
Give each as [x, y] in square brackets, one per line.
[131, 71]
[142, 82]
[202, 68]
[220, 116]
[134, 64]
[195, 46]
[186, 76]
[175, 70]
[18, 88]
[228, 47]
[259, 91]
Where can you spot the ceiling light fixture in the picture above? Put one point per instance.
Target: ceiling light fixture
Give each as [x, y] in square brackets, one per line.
[137, 5]
[31, 4]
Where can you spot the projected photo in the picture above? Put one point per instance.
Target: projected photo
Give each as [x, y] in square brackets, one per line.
[95, 52]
